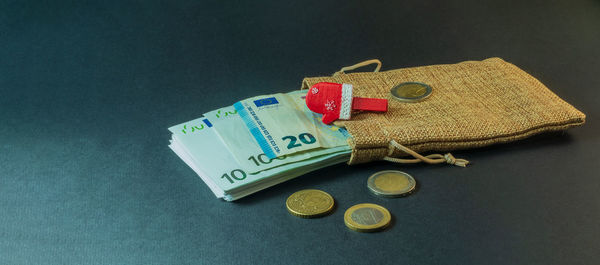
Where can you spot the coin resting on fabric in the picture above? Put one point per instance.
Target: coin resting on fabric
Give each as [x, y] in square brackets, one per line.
[367, 217]
[309, 203]
[411, 91]
[391, 183]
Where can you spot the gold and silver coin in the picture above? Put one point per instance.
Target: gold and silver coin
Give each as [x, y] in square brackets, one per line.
[309, 203]
[367, 217]
[391, 183]
[411, 91]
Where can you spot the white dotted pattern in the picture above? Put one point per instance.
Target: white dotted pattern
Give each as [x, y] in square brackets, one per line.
[346, 108]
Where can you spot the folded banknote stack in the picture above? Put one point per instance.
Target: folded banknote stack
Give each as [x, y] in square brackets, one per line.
[257, 143]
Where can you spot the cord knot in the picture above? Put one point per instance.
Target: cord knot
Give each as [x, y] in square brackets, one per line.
[430, 159]
[450, 159]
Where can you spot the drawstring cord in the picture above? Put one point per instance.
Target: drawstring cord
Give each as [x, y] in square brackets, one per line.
[430, 159]
[361, 64]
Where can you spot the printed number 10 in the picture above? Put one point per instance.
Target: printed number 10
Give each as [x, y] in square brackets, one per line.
[236, 174]
[263, 159]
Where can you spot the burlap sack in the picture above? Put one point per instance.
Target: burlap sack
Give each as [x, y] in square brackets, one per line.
[473, 104]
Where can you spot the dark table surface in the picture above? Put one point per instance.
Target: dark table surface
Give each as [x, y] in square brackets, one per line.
[88, 89]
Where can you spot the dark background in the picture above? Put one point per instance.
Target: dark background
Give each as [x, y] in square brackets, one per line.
[88, 89]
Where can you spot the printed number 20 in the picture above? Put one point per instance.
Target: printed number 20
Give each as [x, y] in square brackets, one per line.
[305, 138]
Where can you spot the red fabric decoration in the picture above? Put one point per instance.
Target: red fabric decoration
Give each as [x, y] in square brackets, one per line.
[335, 101]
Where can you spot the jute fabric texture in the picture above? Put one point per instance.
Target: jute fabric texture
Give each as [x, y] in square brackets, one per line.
[473, 104]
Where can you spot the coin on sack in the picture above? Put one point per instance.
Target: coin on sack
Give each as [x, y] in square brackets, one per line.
[309, 203]
[411, 91]
[367, 217]
[391, 183]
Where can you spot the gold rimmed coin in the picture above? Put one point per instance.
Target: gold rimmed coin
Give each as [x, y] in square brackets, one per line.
[309, 203]
[411, 91]
[367, 217]
[391, 183]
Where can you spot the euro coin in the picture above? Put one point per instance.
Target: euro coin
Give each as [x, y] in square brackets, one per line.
[367, 217]
[411, 91]
[309, 203]
[391, 183]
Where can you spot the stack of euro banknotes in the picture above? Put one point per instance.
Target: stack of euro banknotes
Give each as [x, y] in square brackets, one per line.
[257, 143]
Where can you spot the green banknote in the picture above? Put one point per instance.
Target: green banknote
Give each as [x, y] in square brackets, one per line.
[198, 145]
[281, 124]
[233, 133]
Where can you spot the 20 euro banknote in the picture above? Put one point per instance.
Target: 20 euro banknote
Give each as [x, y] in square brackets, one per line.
[281, 125]
[233, 133]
